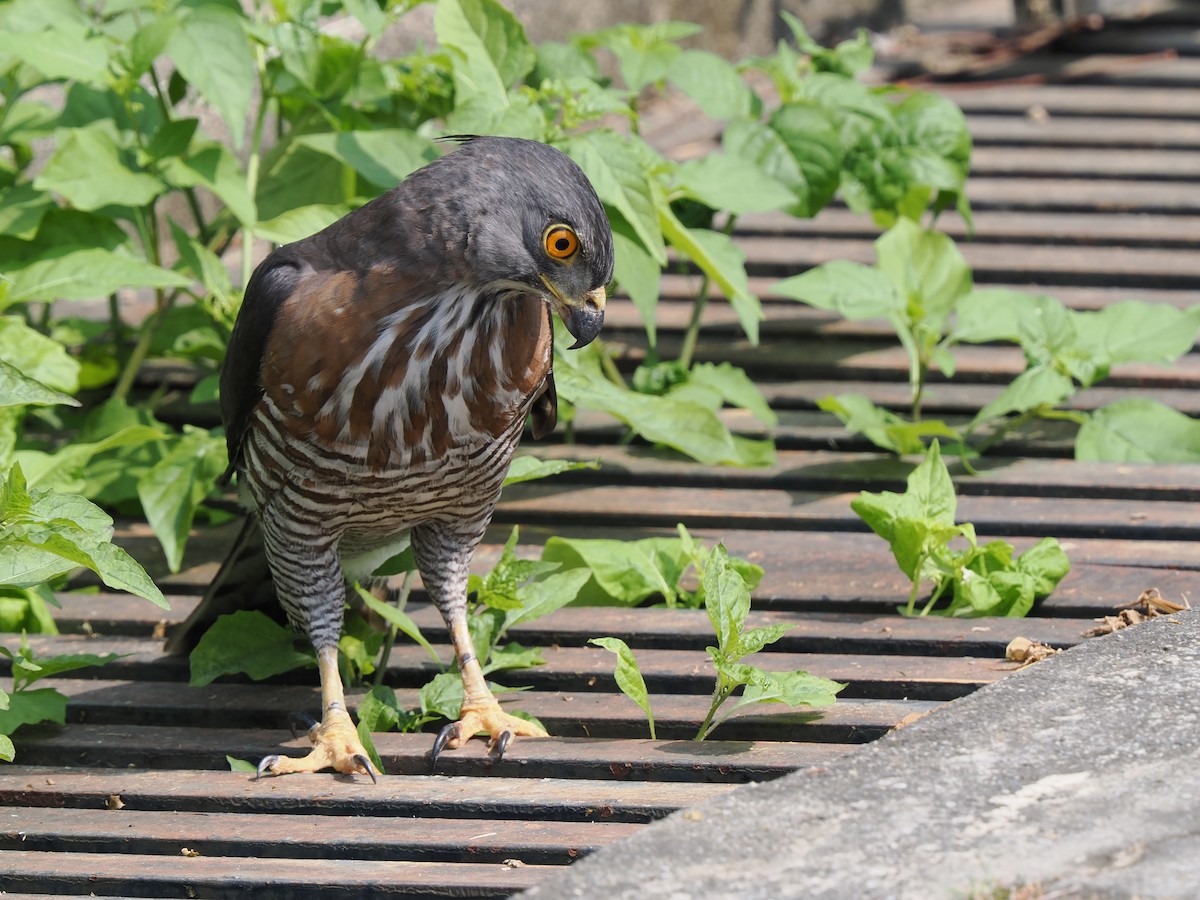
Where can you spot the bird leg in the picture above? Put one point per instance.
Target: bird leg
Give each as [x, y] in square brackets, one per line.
[335, 739]
[480, 710]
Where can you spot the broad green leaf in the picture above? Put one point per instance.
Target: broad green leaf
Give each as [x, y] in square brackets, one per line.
[369, 14]
[726, 600]
[17, 389]
[712, 82]
[851, 289]
[175, 487]
[368, 742]
[721, 260]
[149, 42]
[384, 157]
[512, 656]
[735, 387]
[57, 665]
[628, 676]
[87, 170]
[530, 468]
[299, 223]
[644, 52]
[443, 695]
[1035, 387]
[883, 427]
[211, 50]
[489, 48]
[638, 274]
[755, 639]
[294, 176]
[622, 572]
[732, 183]
[1138, 430]
[31, 707]
[215, 168]
[7, 751]
[541, 598]
[925, 268]
[931, 489]
[380, 710]
[85, 274]
[687, 427]
[403, 622]
[521, 117]
[64, 469]
[1134, 331]
[59, 52]
[121, 571]
[245, 642]
[798, 148]
[22, 208]
[620, 180]
[996, 314]
[1045, 563]
[792, 689]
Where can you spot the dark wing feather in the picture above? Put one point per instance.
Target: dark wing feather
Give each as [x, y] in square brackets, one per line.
[544, 412]
[241, 382]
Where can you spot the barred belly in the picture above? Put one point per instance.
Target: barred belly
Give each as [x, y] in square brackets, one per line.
[328, 516]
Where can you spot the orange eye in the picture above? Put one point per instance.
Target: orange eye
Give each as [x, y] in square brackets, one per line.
[560, 241]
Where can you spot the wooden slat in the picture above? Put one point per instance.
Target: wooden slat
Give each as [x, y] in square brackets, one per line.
[1076, 100]
[395, 797]
[218, 877]
[1132, 133]
[714, 761]
[283, 836]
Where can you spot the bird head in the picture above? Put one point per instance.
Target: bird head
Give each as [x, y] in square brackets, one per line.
[536, 226]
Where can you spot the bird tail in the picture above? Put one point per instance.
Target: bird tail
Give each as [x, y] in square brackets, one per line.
[242, 582]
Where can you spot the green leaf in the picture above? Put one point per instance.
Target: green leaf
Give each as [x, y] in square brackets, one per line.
[726, 600]
[622, 572]
[64, 51]
[883, 427]
[1138, 430]
[443, 696]
[215, 168]
[57, 665]
[7, 751]
[17, 389]
[245, 642]
[628, 676]
[512, 656]
[997, 314]
[530, 468]
[299, 223]
[616, 172]
[211, 50]
[792, 689]
[31, 707]
[721, 260]
[925, 268]
[712, 82]
[403, 622]
[1046, 564]
[380, 710]
[732, 183]
[85, 274]
[1134, 331]
[799, 147]
[851, 289]
[638, 274]
[87, 170]
[1039, 386]
[384, 157]
[735, 387]
[240, 765]
[174, 488]
[121, 571]
[22, 208]
[488, 45]
[549, 594]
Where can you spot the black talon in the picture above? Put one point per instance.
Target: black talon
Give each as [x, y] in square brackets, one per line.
[497, 750]
[366, 764]
[443, 738]
[304, 720]
[265, 764]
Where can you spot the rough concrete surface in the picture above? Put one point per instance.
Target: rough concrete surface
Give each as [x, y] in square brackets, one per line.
[1075, 777]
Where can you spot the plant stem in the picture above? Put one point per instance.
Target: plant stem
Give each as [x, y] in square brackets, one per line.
[390, 640]
[720, 694]
[688, 349]
[610, 368]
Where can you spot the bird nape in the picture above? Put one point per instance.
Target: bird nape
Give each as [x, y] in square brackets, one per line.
[376, 385]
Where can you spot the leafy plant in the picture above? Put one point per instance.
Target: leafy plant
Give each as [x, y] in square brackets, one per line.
[923, 286]
[25, 705]
[627, 573]
[727, 602]
[987, 580]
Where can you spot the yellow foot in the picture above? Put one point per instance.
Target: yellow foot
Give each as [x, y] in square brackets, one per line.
[487, 717]
[335, 746]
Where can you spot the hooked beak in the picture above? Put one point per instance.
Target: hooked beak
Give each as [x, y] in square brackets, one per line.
[583, 316]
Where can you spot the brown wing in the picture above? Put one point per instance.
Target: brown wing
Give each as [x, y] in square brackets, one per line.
[544, 412]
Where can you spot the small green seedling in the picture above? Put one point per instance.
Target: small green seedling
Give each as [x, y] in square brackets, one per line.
[988, 580]
[25, 705]
[727, 602]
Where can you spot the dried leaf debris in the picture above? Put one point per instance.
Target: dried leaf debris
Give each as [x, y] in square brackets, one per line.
[1149, 605]
[1026, 652]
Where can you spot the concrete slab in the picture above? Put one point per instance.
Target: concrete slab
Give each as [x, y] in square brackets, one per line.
[1075, 777]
